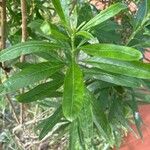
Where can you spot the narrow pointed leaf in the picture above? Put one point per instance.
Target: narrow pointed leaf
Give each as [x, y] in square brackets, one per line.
[141, 13]
[82, 16]
[31, 75]
[133, 69]
[62, 10]
[100, 120]
[41, 91]
[104, 15]
[137, 118]
[53, 30]
[73, 92]
[122, 80]
[86, 121]
[112, 51]
[85, 34]
[50, 122]
[138, 123]
[74, 142]
[26, 48]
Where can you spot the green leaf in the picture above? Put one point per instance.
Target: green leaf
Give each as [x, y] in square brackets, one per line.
[45, 28]
[107, 32]
[52, 56]
[31, 74]
[141, 13]
[73, 98]
[142, 97]
[117, 114]
[136, 115]
[143, 44]
[35, 25]
[85, 34]
[133, 69]
[85, 13]
[104, 15]
[61, 7]
[98, 74]
[1, 88]
[74, 142]
[53, 30]
[41, 91]
[138, 123]
[50, 122]
[81, 137]
[148, 7]
[26, 48]
[112, 51]
[100, 120]
[99, 86]
[86, 121]
[99, 117]
[23, 65]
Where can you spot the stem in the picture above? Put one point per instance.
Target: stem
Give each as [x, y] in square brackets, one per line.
[24, 20]
[13, 108]
[72, 43]
[3, 24]
[3, 46]
[72, 48]
[24, 37]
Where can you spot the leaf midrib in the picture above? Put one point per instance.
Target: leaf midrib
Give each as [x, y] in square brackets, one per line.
[72, 102]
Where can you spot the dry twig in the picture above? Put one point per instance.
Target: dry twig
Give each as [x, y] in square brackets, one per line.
[3, 46]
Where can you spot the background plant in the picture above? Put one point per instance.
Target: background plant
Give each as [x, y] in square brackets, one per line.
[83, 72]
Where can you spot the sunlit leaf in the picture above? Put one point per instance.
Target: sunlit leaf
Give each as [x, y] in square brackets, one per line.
[133, 69]
[112, 51]
[31, 75]
[73, 92]
[27, 48]
[104, 15]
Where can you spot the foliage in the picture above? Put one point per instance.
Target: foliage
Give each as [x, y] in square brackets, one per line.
[88, 66]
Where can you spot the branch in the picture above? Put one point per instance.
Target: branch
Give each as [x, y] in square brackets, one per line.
[13, 108]
[24, 24]
[3, 46]
[3, 24]
[24, 37]
[24, 20]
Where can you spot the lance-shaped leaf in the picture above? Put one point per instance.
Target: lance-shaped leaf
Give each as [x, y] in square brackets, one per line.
[86, 121]
[122, 80]
[143, 9]
[137, 118]
[85, 34]
[99, 118]
[50, 122]
[133, 69]
[104, 15]
[41, 91]
[26, 48]
[62, 10]
[112, 51]
[73, 92]
[31, 75]
[53, 30]
[74, 140]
